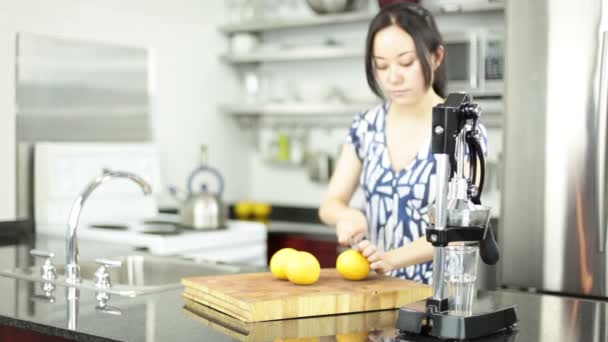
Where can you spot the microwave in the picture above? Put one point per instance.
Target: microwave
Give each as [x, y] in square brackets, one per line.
[475, 62]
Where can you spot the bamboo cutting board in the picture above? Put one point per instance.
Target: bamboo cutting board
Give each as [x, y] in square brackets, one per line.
[259, 297]
[354, 325]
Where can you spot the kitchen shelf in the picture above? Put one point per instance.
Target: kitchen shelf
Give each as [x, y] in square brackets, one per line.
[336, 19]
[490, 118]
[294, 55]
[285, 164]
[296, 109]
[329, 19]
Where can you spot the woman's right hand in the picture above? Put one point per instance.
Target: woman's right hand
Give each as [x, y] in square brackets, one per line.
[351, 227]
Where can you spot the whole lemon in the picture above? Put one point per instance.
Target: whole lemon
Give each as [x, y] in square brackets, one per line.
[352, 265]
[261, 210]
[243, 210]
[303, 268]
[278, 262]
[352, 337]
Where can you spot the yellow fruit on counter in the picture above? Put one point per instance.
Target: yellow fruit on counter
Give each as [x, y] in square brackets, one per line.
[278, 262]
[352, 337]
[243, 210]
[303, 268]
[352, 265]
[261, 210]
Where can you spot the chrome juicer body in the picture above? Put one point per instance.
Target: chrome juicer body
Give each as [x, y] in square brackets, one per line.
[457, 216]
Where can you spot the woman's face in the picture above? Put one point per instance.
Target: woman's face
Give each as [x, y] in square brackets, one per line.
[397, 67]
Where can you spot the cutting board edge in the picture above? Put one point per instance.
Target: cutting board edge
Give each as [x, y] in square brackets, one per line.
[290, 329]
[257, 312]
[368, 295]
[217, 295]
[244, 314]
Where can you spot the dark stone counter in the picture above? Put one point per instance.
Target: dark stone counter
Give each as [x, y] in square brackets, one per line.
[167, 316]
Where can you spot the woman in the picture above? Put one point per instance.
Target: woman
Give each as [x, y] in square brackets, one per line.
[388, 147]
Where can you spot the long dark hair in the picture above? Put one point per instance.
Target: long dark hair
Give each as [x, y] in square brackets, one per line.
[420, 25]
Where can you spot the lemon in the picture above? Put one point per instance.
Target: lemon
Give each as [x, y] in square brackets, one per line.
[261, 210]
[352, 337]
[278, 262]
[302, 268]
[243, 210]
[352, 265]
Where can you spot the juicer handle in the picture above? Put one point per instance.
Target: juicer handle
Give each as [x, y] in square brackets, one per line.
[488, 248]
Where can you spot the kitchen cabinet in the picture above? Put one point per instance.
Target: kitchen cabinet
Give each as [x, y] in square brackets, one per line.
[15, 334]
[8, 259]
[325, 249]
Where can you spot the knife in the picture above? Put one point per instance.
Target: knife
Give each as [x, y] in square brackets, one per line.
[355, 242]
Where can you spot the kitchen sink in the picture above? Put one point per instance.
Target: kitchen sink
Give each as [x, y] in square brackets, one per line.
[138, 275]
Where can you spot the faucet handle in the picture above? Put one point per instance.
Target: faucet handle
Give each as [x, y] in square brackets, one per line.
[42, 254]
[102, 304]
[47, 270]
[108, 262]
[102, 277]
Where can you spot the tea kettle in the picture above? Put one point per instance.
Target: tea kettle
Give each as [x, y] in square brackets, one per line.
[202, 210]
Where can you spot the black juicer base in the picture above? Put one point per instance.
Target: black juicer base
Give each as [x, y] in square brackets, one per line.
[413, 319]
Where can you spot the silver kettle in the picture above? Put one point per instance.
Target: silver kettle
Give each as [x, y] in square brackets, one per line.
[202, 210]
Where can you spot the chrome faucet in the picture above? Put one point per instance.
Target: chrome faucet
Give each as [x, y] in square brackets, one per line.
[72, 274]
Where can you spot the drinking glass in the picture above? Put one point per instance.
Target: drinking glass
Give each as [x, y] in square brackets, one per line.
[460, 276]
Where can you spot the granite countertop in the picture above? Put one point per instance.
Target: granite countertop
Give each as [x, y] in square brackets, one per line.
[167, 316]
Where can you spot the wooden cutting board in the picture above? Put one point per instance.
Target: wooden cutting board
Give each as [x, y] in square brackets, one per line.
[259, 297]
[351, 327]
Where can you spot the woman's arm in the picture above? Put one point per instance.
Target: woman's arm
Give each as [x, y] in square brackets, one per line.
[350, 223]
[342, 185]
[417, 252]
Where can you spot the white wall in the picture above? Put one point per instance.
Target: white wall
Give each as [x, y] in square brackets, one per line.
[190, 82]
[278, 184]
[189, 79]
[7, 122]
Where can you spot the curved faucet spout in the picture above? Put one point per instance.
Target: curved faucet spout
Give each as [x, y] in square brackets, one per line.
[72, 268]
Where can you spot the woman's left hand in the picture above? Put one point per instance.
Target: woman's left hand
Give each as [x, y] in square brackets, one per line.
[378, 259]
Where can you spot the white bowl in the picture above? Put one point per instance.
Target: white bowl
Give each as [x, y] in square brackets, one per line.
[330, 6]
[313, 92]
[241, 43]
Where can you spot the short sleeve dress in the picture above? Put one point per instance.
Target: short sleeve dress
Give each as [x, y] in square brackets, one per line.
[396, 202]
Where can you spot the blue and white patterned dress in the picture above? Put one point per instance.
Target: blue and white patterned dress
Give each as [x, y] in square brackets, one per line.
[396, 202]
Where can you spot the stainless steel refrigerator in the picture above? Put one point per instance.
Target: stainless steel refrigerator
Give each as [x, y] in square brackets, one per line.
[553, 230]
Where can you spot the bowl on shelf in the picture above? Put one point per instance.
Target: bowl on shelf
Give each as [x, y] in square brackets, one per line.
[332, 6]
[313, 92]
[243, 43]
[361, 94]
